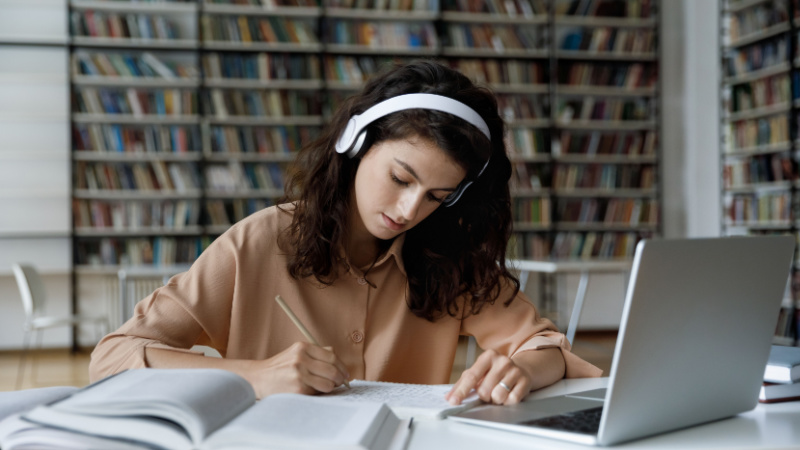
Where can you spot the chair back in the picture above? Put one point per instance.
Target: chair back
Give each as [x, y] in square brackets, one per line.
[31, 289]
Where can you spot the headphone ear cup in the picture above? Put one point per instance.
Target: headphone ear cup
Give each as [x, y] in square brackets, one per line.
[363, 143]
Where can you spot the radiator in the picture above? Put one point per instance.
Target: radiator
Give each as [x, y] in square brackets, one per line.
[124, 293]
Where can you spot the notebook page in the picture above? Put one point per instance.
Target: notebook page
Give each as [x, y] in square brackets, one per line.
[406, 400]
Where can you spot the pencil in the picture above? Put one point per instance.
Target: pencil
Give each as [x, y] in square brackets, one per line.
[300, 325]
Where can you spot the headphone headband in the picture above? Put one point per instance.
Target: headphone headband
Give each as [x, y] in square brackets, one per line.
[359, 122]
[352, 139]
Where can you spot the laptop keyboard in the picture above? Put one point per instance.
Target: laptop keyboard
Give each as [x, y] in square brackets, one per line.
[586, 421]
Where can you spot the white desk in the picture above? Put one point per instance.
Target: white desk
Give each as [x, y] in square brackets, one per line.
[767, 426]
[771, 426]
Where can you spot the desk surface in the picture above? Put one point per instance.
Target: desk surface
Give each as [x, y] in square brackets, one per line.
[767, 426]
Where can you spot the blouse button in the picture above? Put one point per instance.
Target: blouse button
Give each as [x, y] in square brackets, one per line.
[357, 336]
[362, 281]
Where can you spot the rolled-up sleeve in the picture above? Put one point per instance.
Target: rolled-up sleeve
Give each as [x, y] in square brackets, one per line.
[189, 310]
[518, 328]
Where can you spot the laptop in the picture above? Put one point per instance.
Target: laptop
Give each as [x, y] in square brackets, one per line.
[695, 334]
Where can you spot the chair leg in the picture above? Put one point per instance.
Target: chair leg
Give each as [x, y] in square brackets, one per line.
[22, 361]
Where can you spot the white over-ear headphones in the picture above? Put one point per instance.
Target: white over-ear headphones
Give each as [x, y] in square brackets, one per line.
[351, 141]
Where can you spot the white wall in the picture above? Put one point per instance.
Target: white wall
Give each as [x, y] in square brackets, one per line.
[34, 160]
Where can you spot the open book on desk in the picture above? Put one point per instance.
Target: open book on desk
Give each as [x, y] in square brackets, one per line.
[201, 409]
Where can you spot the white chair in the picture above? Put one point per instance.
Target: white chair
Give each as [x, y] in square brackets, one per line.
[34, 297]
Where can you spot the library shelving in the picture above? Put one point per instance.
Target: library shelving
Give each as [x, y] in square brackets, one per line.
[361, 36]
[261, 98]
[606, 122]
[577, 82]
[136, 134]
[759, 101]
[186, 113]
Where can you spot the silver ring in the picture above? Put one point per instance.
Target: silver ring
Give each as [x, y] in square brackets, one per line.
[504, 386]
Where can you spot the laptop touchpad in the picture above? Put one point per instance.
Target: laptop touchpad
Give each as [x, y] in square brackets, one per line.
[531, 410]
[594, 394]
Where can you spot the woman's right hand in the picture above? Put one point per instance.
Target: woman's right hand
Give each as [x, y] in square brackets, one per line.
[302, 368]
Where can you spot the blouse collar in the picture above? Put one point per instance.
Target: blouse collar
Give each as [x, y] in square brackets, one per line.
[395, 252]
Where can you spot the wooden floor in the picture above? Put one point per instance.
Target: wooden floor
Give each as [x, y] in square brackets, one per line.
[62, 368]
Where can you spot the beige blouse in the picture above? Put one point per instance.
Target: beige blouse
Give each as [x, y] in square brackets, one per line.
[226, 301]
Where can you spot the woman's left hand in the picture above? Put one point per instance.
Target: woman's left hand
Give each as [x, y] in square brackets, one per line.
[495, 377]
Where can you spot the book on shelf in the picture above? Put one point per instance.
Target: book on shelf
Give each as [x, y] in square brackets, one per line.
[250, 29]
[627, 76]
[512, 8]
[259, 103]
[135, 215]
[153, 176]
[603, 176]
[498, 73]
[529, 246]
[526, 142]
[389, 5]
[283, 139]
[597, 143]
[587, 245]
[593, 8]
[355, 70]
[384, 34]
[157, 251]
[495, 37]
[783, 365]
[519, 106]
[603, 109]
[99, 24]
[145, 65]
[261, 66]
[762, 55]
[605, 40]
[204, 409]
[217, 214]
[752, 20]
[137, 101]
[525, 177]
[135, 138]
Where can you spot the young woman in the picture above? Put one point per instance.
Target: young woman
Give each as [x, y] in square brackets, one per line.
[391, 244]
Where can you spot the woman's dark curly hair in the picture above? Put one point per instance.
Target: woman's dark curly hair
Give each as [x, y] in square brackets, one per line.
[456, 252]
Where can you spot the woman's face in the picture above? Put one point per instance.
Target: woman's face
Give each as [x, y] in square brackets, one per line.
[399, 183]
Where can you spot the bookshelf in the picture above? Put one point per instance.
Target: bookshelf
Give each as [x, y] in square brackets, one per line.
[136, 134]
[577, 83]
[227, 91]
[606, 122]
[262, 100]
[759, 104]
